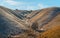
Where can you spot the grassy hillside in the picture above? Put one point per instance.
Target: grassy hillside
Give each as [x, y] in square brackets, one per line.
[54, 32]
[53, 22]
[45, 17]
[9, 23]
[43, 23]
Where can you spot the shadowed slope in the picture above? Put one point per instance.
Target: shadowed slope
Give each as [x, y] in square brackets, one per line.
[15, 18]
[21, 13]
[9, 24]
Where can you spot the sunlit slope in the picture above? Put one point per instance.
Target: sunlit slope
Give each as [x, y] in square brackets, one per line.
[45, 16]
[33, 13]
[54, 32]
[39, 15]
[44, 13]
[53, 22]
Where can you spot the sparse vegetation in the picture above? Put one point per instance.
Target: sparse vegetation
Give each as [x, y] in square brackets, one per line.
[54, 32]
[12, 26]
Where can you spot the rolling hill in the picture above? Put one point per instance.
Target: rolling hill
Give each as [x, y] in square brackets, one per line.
[29, 24]
[47, 17]
[54, 32]
[9, 23]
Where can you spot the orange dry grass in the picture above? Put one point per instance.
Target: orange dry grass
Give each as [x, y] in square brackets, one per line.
[52, 33]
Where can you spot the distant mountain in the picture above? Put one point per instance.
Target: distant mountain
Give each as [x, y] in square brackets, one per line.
[21, 13]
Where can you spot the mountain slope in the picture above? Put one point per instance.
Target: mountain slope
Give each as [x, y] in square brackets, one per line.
[14, 17]
[10, 24]
[46, 16]
[54, 32]
[39, 21]
[53, 22]
[21, 13]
